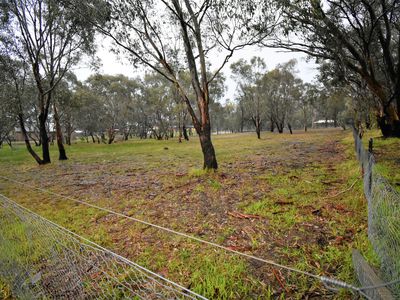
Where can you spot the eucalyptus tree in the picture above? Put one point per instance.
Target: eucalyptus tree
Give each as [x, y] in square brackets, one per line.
[282, 90]
[306, 103]
[68, 106]
[52, 38]
[165, 35]
[361, 37]
[158, 97]
[116, 96]
[7, 114]
[251, 90]
[89, 117]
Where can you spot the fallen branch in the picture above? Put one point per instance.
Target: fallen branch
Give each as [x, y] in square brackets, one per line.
[243, 216]
[284, 202]
[280, 279]
[344, 191]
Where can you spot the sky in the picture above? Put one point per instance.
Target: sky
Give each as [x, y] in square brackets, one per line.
[113, 65]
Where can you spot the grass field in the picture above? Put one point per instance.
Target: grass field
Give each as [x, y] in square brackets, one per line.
[295, 199]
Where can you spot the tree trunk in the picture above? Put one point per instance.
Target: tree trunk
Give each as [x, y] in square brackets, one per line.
[26, 138]
[9, 142]
[241, 119]
[210, 160]
[280, 127]
[272, 128]
[45, 139]
[290, 128]
[388, 129]
[258, 131]
[257, 125]
[185, 134]
[61, 149]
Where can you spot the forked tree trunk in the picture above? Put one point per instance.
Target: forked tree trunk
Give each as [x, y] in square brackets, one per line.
[280, 127]
[94, 141]
[61, 149]
[257, 124]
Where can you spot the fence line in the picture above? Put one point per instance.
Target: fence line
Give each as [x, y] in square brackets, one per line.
[383, 216]
[40, 259]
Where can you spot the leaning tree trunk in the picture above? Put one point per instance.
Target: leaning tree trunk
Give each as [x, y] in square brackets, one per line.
[290, 128]
[26, 138]
[59, 136]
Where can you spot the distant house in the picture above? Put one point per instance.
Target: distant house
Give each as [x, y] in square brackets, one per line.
[32, 133]
[323, 123]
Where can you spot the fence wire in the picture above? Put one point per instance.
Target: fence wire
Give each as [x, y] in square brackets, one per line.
[41, 260]
[383, 217]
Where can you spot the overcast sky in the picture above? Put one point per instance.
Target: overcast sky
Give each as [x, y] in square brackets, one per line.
[113, 65]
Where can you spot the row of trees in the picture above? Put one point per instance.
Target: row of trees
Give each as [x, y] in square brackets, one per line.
[280, 99]
[356, 42]
[104, 105]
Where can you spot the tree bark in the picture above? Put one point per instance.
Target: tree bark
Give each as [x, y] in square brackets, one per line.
[45, 139]
[210, 160]
[290, 128]
[185, 134]
[26, 138]
[272, 128]
[61, 149]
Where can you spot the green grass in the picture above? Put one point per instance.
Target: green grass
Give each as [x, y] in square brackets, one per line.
[286, 183]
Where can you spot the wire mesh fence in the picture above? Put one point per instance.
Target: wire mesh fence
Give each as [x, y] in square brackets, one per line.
[383, 217]
[41, 260]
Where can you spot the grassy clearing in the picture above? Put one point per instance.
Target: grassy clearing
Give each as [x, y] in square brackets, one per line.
[286, 198]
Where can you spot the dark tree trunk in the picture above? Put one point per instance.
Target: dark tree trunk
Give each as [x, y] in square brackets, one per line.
[126, 137]
[290, 128]
[210, 160]
[68, 139]
[258, 133]
[280, 127]
[388, 129]
[185, 133]
[45, 139]
[272, 128]
[94, 141]
[305, 127]
[26, 138]
[257, 124]
[61, 149]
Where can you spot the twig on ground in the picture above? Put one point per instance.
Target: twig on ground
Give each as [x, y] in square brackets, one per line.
[344, 191]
